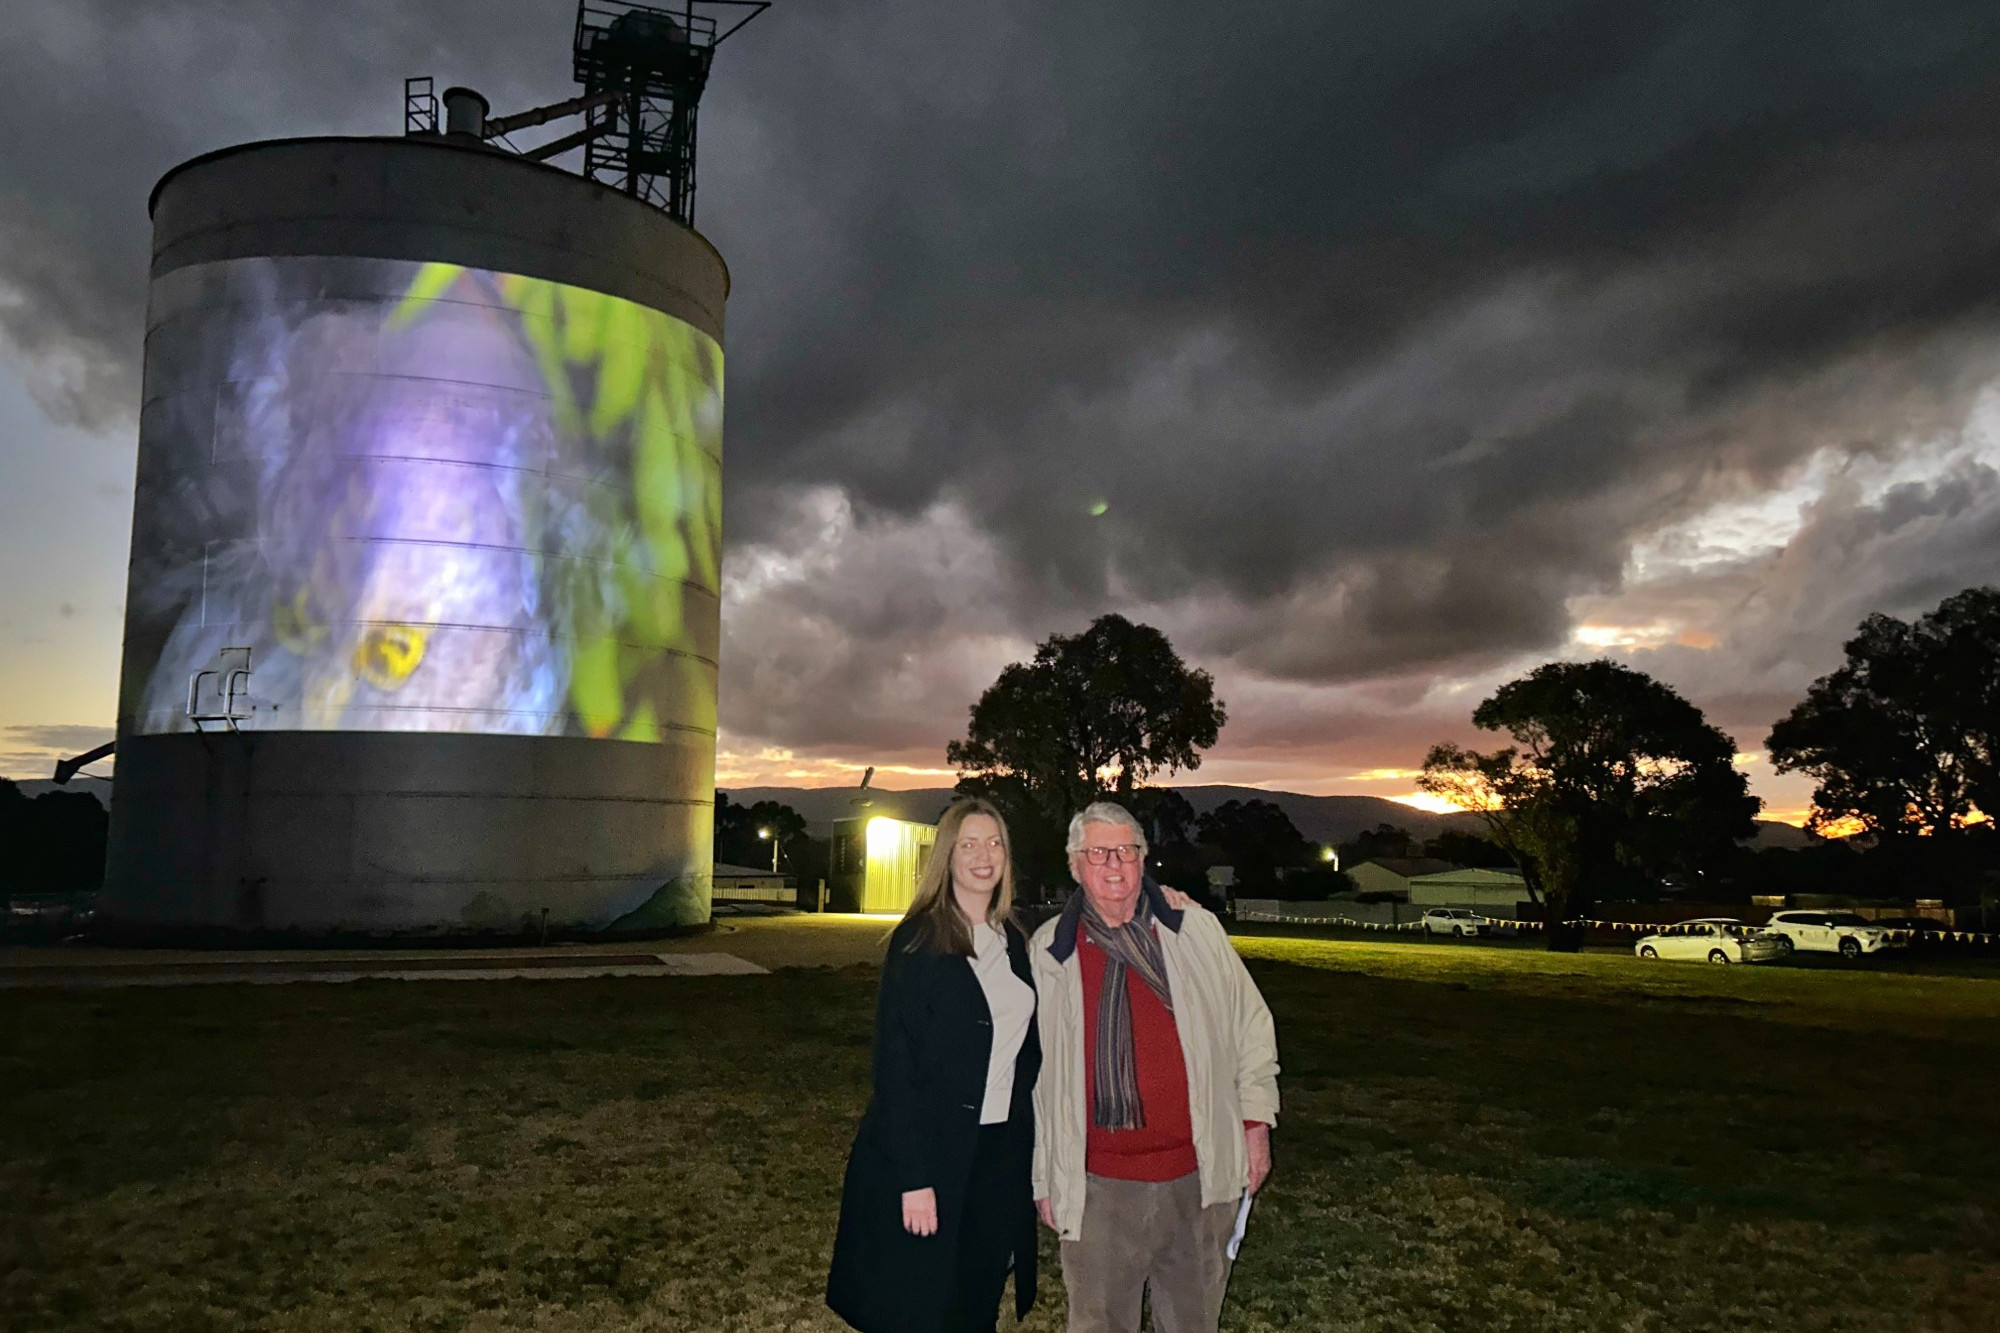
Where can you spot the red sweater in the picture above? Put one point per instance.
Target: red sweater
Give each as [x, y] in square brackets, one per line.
[1162, 1148]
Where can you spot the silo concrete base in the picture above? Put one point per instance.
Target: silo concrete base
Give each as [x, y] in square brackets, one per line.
[314, 833]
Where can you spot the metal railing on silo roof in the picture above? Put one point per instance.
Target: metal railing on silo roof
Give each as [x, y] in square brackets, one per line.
[650, 66]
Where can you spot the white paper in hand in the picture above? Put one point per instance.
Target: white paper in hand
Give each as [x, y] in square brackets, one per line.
[1242, 1221]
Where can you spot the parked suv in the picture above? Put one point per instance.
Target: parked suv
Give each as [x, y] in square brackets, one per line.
[1848, 934]
[1454, 921]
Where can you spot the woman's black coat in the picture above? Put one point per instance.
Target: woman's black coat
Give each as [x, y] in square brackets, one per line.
[933, 1039]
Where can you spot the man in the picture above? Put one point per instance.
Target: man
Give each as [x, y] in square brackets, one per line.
[1158, 1091]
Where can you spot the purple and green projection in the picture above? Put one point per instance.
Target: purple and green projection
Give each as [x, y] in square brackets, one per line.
[428, 498]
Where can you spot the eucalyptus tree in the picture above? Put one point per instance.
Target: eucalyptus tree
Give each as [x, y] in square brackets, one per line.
[1613, 779]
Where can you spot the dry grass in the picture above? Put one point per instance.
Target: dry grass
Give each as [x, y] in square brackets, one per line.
[1478, 1145]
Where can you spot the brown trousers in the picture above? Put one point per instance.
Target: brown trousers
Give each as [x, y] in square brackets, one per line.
[1139, 1237]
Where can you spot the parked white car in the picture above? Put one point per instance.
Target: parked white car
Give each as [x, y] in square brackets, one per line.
[1455, 921]
[1848, 934]
[1711, 940]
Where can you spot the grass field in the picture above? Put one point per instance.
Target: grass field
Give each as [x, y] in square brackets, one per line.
[1474, 1139]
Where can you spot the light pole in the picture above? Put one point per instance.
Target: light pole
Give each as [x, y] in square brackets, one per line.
[766, 833]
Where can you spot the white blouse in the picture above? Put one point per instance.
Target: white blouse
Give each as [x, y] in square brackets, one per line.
[1012, 1002]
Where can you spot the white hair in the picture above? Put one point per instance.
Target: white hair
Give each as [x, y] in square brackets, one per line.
[1105, 812]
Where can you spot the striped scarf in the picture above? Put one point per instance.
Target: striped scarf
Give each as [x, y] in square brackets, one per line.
[1114, 1072]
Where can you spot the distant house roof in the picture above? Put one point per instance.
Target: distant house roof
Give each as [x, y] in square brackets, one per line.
[1475, 876]
[1409, 867]
[723, 871]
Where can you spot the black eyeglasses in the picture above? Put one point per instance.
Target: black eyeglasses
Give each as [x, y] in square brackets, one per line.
[1125, 852]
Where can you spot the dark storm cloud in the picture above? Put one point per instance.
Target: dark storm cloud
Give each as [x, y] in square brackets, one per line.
[1381, 332]
[1781, 616]
[868, 635]
[103, 96]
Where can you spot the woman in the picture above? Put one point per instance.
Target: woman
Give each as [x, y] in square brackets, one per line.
[937, 1207]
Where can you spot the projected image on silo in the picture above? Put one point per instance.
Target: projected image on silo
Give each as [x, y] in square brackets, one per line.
[428, 498]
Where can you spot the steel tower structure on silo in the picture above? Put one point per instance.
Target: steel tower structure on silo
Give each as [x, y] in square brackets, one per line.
[422, 617]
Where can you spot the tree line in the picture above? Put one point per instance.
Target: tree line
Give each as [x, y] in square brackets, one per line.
[1613, 779]
[53, 843]
[1612, 786]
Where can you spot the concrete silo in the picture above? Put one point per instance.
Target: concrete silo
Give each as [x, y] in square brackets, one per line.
[422, 617]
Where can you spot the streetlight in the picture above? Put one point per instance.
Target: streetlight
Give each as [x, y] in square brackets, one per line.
[766, 833]
[1330, 856]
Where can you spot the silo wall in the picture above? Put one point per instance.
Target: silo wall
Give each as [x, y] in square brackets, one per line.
[431, 439]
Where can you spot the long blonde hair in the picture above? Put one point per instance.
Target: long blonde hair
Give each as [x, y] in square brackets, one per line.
[941, 925]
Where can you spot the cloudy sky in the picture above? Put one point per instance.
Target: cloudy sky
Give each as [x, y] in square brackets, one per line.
[1376, 353]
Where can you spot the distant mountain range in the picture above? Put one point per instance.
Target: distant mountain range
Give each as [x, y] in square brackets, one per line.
[1319, 818]
[1332, 819]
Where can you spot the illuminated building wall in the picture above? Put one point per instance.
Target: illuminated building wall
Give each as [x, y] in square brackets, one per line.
[876, 862]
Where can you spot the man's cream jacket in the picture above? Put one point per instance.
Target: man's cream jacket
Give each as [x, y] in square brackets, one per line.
[1227, 1043]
